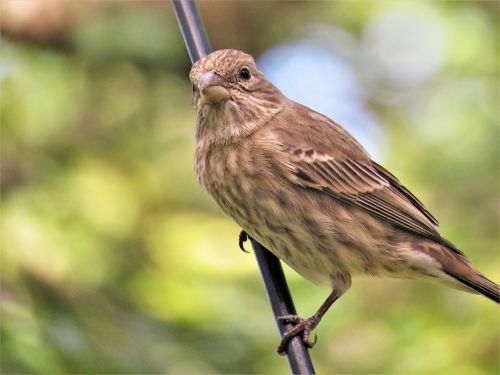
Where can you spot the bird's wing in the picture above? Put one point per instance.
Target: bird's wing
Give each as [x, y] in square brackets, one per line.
[333, 162]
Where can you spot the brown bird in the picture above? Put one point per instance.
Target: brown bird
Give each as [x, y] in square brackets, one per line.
[303, 187]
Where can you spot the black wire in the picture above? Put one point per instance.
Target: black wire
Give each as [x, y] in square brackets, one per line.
[192, 29]
[270, 266]
[282, 304]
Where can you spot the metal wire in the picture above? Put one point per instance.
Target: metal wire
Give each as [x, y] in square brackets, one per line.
[270, 266]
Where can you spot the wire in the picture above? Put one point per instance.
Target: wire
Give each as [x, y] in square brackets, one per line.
[270, 266]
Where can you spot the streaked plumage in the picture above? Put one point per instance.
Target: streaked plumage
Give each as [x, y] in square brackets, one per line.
[302, 186]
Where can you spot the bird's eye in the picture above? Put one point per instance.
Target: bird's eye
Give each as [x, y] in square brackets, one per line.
[245, 73]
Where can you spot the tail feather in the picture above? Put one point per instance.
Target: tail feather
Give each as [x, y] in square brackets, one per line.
[456, 265]
[480, 284]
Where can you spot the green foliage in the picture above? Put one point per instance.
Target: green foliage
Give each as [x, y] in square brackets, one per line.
[115, 261]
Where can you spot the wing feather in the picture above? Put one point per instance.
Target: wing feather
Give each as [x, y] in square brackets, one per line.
[367, 185]
[319, 154]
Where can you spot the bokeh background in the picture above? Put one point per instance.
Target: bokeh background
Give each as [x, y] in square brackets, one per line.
[115, 261]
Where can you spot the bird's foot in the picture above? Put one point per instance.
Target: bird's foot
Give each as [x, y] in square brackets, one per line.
[242, 239]
[302, 326]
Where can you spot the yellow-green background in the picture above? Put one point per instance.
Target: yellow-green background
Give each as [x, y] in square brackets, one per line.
[115, 261]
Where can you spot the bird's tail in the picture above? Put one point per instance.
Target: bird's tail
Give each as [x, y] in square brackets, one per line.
[463, 275]
[480, 284]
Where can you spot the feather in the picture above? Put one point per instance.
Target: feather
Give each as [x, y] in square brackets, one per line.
[336, 164]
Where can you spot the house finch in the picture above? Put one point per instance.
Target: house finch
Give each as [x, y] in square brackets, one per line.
[303, 187]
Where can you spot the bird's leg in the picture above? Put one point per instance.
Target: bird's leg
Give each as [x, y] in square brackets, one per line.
[242, 239]
[305, 326]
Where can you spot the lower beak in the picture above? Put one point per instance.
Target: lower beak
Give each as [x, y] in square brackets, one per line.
[211, 88]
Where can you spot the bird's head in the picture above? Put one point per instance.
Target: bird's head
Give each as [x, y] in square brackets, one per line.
[231, 95]
[224, 75]
[227, 75]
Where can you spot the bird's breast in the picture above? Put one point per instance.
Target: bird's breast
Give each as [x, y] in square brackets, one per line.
[247, 188]
[226, 173]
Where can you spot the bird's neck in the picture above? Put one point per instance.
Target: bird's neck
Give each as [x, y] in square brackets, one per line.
[230, 122]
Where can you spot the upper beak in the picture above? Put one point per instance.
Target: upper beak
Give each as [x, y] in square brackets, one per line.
[211, 88]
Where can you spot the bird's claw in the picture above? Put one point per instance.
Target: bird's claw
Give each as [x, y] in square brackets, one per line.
[242, 239]
[310, 343]
[302, 326]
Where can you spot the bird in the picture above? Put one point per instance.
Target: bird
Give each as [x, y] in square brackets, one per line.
[299, 184]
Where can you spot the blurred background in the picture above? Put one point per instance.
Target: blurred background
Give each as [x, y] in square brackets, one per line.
[115, 261]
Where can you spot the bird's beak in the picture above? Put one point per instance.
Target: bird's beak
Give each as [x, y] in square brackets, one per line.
[211, 88]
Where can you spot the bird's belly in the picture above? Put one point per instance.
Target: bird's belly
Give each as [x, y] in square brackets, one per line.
[325, 250]
[300, 252]
[319, 241]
